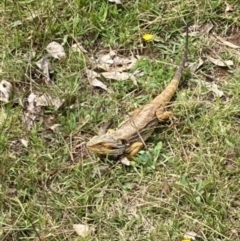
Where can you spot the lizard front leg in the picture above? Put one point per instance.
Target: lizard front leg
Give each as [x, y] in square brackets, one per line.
[133, 149]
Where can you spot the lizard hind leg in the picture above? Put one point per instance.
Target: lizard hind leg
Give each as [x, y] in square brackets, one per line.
[164, 115]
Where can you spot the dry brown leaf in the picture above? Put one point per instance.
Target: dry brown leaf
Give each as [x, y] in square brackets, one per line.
[227, 43]
[111, 62]
[107, 58]
[197, 29]
[5, 91]
[212, 87]
[34, 107]
[194, 30]
[125, 161]
[119, 76]
[56, 50]
[16, 23]
[229, 7]
[47, 100]
[54, 127]
[114, 67]
[49, 123]
[32, 111]
[44, 65]
[124, 60]
[219, 62]
[99, 84]
[92, 78]
[195, 66]
[206, 28]
[194, 27]
[91, 74]
[24, 142]
[82, 230]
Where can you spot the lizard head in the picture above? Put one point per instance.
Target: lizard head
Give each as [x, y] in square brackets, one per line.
[106, 145]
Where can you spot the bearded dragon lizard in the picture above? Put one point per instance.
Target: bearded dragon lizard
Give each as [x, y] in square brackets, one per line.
[128, 139]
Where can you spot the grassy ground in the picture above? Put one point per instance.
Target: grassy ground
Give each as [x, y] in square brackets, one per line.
[187, 179]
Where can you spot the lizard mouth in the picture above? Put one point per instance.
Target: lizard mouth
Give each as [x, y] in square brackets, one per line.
[108, 147]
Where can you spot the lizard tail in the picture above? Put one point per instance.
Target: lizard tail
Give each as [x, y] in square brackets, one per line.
[171, 88]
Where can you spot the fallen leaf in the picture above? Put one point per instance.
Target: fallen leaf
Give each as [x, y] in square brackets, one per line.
[195, 66]
[54, 127]
[3, 116]
[82, 230]
[120, 76]
[194, 30]
[48, 121]
[5, 91]
[197, 29]
[107, 58]
[99, 84]
[31, 113]
[44, 65]
[229, 7]
[114, 67]
[206, 28]
[24, 142]
[47, 100]
[56, 50]
[194, 27]
[91, 74]
[35, 103]
[92, 78]
[214, 88]
[227, 43]
[125, 161]
[124, 61]
[16, 23]
[115, 1]
[111, 62]
[219, 62]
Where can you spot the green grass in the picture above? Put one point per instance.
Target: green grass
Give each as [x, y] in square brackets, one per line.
[186, 180]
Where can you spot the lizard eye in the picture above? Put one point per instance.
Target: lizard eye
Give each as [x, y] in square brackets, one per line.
[124, 141]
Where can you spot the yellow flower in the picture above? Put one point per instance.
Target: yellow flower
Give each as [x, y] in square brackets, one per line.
[148, 37]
